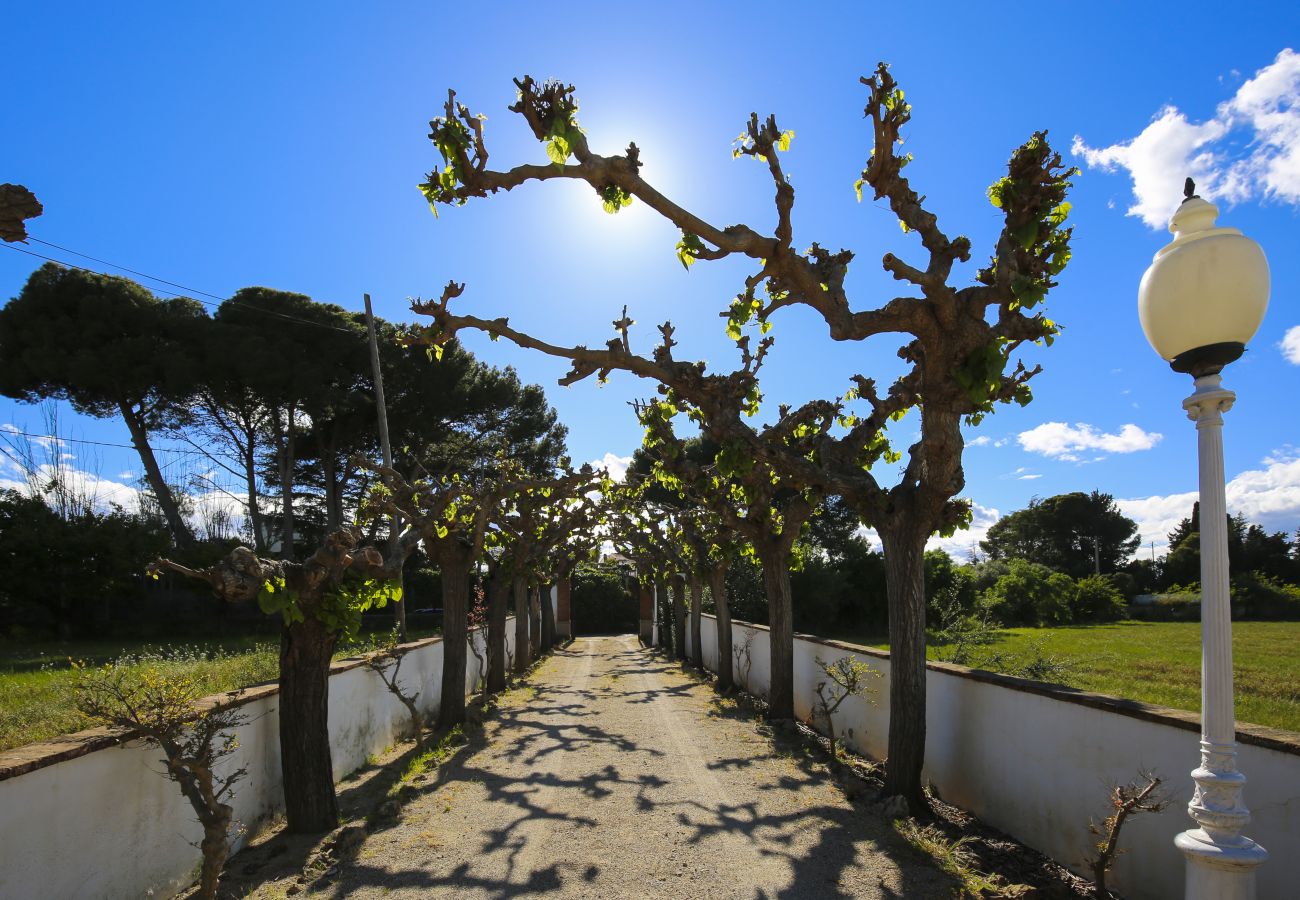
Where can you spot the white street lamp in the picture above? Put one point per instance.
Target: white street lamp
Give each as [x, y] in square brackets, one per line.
[1201, 300]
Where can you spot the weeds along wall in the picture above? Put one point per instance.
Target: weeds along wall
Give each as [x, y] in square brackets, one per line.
[1037, 761]
[82, 816]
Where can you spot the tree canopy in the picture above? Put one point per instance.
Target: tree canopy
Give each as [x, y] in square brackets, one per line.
[1073, 533]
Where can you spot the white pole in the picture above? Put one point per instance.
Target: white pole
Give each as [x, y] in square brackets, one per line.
[1221, 861]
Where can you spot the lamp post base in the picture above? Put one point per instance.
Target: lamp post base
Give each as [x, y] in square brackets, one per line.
[1219, 871]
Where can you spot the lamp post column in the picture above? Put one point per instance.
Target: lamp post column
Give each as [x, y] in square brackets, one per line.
[1221, 861]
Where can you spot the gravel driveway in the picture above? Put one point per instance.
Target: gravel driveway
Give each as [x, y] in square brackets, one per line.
[612, 773]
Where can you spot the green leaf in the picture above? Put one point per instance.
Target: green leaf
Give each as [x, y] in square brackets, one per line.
[558, 144]
[430, 196]
[857, 188]
[1025, 235]
[783, 142]
[688, 249]
[614, 197]
[1058, 216]
[995, 191]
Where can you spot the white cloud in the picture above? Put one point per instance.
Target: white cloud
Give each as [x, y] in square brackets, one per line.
[1266, 164]
[1060, 440]
[100, 492]
[963, 543]
[1029, 476]
[1269, 496]
[1291, 345]
[982, 441]
[615, 464]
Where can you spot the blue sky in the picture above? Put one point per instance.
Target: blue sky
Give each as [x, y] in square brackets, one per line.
[273, 145]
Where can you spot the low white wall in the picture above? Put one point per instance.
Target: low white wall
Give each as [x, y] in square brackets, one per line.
[107, 823]
[1037, 761]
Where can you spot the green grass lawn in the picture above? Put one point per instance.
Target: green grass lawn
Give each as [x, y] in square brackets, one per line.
[1160, 662]
[36, 697]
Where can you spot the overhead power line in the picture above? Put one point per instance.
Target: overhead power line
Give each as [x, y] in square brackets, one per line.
[190, 292]
[68, 440]
[125, 269]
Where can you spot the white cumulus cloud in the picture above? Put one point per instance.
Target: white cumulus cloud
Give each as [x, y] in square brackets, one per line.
[100, 493]
[964, 543]
[1291, 345]
[1249, 149]
[615, 464]
[1060, 440]
[1269, 496]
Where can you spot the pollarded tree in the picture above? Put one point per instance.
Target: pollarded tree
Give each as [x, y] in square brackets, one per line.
[766, 504]
[535, 520]
[567, 533]
[635, 530]
[711, 543]
[110, 348]
[452, 516]
[958, 341]
[319, 600]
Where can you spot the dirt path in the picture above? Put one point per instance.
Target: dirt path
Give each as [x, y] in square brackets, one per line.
[614, 774]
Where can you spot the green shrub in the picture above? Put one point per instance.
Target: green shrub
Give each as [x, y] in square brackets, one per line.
[1030, 594]
[1096, 600]
[1258, 596]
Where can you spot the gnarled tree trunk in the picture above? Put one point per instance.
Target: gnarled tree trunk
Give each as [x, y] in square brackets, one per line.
[534, 622]
[904, 550]
[718, 588]
[454, 560]
[780, 622]
[305, 651]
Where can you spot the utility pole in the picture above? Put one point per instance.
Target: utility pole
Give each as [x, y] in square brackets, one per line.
[394, 536]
